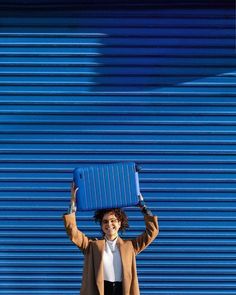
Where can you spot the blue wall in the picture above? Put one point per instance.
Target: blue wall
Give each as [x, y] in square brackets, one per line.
[155, 86]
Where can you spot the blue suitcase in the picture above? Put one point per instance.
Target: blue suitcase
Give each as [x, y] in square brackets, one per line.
[105, 186]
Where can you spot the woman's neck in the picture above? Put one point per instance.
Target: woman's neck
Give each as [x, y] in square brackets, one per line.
[112, 238]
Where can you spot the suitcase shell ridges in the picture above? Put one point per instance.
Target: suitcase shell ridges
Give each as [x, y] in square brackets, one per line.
[107, 186]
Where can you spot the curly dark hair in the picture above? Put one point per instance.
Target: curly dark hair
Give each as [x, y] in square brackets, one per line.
[119, 213]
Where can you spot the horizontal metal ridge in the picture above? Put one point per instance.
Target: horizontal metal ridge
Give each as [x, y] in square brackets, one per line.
[159, 209]
[94, 227]
[142, 180]
[149, 278]
[46, 235]
[115, 73]
[52, 35]
[51, 54]
[186, 170]
[186, 180]
[118, 112]
[224, 291]
[133, 131]
[121, 142]
[146, 284]
[233, 74]
[53, 44]
[129, 84]
[192, 190]
[190, 9]
[215, 250]
[133, 63]
[108, 160]
[106, 55]
[195, 218]
[192, 286]
[65, 257]
[111, 102]
[47, 74]
[128, 21]
[188, 24]
[176, 199]
[112, 151]
[201, 32]
[179, 264]
[186, 278]
[157, 271]
[128, 44]
[173, 93]
[32, 83]
[106, 122]
[166, 217]
[209, 84]
[37, 170]
[59, 131]
[58, 241]
[49, 64]
[144, 170]
[108, 100]
[203, 199]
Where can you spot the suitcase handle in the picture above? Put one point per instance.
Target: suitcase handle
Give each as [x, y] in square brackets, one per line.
[75, 192]
[73, 198]
[138, 168]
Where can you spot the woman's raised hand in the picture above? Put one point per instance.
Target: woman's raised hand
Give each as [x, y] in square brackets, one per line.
[72, 207]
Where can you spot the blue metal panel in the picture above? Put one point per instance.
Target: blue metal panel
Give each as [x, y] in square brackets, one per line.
[155, 86]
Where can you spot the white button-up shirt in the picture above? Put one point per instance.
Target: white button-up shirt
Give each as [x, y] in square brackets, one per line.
[112, 265]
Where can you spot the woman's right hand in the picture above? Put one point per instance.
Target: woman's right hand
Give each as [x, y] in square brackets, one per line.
[73, 193]
[72, 207]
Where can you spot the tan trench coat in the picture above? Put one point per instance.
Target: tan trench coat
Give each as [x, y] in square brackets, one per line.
[92, 282]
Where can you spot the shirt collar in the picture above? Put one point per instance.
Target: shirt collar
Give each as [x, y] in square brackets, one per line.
[112, 241]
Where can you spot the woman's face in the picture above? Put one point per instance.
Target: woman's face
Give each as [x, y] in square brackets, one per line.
[110, 225]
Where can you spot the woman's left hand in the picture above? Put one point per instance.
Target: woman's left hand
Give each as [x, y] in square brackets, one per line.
[143, 207]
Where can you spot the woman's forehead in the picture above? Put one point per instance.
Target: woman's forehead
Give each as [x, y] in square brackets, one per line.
[109, 215]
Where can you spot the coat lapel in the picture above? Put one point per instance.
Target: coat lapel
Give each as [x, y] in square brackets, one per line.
[98, 266]
[125, 257]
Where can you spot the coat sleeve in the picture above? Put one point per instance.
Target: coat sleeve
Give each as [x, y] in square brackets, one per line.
[76, 236]
[150, 233]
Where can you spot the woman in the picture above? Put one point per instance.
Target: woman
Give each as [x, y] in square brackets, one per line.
[110, 263]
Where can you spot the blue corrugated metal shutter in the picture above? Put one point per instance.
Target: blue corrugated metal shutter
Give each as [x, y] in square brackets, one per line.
[155, 86]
